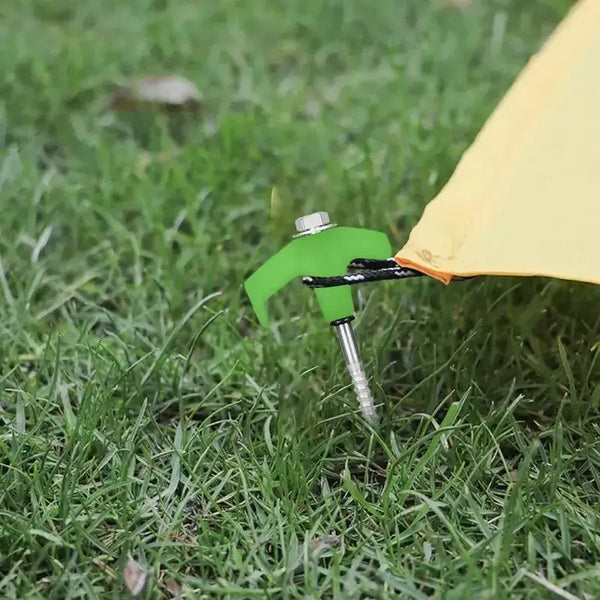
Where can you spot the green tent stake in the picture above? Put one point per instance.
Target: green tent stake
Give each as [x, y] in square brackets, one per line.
[321, 249]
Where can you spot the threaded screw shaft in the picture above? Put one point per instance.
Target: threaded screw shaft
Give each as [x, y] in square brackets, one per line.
[355, 367]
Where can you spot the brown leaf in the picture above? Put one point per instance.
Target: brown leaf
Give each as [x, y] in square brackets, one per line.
[171, 91]
[135, 577]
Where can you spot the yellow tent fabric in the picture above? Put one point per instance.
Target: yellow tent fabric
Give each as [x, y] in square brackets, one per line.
[525, 197]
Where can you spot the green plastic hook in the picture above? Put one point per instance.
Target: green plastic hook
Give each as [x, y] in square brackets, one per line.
[325, 253]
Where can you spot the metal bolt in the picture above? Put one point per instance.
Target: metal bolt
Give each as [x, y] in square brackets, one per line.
[313, 223]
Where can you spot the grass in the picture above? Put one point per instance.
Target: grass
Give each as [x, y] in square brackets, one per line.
[144, 413]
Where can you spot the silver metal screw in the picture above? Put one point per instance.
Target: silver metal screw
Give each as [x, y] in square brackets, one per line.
[308, 225]
[355, 367]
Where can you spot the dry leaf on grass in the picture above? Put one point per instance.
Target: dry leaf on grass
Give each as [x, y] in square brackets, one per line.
[135, 577]
[170, 91]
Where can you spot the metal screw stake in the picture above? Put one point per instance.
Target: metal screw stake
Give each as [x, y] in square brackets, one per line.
[308, 225]
[354, 363]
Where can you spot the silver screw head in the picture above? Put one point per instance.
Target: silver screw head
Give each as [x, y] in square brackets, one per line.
[315, 220]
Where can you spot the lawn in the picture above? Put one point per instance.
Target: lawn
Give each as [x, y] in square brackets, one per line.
[144, 414]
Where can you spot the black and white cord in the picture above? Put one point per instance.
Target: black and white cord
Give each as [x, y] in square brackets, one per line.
[370, 270]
